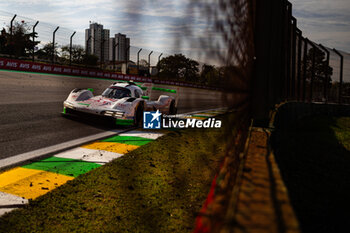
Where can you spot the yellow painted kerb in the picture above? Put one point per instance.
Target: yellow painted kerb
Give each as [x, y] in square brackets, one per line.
[111, 146]
[30, 183]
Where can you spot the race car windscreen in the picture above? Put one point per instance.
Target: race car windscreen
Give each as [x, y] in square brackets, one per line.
[116, 92]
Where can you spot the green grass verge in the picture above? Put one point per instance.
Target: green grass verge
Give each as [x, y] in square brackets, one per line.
[314, 159]
[342, 131]
[159, 187]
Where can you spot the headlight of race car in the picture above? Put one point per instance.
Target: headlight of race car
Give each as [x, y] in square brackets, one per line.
[113, 114]
[68, 105]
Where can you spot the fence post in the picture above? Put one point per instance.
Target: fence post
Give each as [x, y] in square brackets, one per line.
[53, 45]
[312, 71]
[269, 72]
[11, 31]
[34, 39]
[149, 63]
[300, 40]
[289, 47]
[340, 75]
[326, 78]
[70, 48]
[158, 64]
[306, 41]
[138, 61]
[126, 59]
[294, 38]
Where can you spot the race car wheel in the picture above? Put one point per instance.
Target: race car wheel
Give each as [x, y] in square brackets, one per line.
[172, 108]
[138, 114]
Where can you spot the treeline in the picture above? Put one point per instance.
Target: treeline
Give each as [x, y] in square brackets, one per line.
[179, 67]
[21, 43]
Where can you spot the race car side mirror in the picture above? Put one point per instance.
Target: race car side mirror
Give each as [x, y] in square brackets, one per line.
[145, 97]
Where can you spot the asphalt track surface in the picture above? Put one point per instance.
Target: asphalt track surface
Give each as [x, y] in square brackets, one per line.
[31, 106]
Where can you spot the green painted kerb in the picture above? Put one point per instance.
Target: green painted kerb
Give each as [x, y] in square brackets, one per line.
[124, 122]
[163, 89]
[84, 104]
[129, 140]
[142, 88]
[68, 167]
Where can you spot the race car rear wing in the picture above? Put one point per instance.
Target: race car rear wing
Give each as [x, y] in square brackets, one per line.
[149, 87]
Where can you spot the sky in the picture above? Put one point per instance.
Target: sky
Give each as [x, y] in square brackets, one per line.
[153, 24]
[324, 21]
[157, 24]
[150, 24]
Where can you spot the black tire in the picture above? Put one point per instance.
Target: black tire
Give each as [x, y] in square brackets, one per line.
[138, 115]
[172, 108]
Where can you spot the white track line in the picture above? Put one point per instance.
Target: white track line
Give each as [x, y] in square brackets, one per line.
[9, 202]
[142, 134]
[89, 155]
[51, 149]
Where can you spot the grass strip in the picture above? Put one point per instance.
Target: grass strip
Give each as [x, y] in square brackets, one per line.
[130, 140]
[314, 159]
[63, 166]
[159, 187]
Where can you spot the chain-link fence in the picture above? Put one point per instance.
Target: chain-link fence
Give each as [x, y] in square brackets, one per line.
[269, 58]
[317, 72]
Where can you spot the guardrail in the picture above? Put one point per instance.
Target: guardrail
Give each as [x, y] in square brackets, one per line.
[21, 65]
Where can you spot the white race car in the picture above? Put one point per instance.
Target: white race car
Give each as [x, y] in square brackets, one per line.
[123, 101]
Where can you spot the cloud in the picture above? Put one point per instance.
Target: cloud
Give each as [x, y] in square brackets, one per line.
[326, 22]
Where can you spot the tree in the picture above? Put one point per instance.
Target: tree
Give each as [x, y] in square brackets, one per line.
[209, 75]
[78, 53]
[20, 42]
[143, 63]
[321, 69]
[47, 51]
[90, 60]
[3, 40]
[178, 67]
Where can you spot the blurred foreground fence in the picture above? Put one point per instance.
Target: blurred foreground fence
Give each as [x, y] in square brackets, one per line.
[270, 62]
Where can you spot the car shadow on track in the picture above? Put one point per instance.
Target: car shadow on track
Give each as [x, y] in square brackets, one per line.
[95, 121]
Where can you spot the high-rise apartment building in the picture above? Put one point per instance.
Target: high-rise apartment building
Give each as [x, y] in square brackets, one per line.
[97, 41]
[119, 48]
